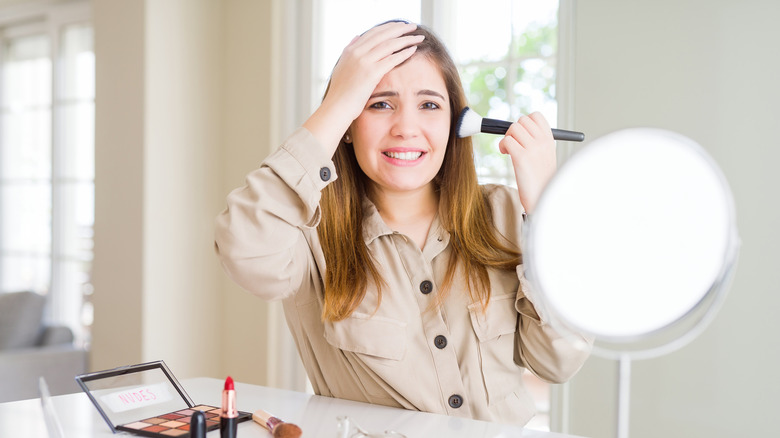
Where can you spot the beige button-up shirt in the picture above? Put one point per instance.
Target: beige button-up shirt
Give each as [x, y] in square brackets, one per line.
[455, 359]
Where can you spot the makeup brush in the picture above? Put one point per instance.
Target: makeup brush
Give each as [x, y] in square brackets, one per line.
[277, 427]
[470, 123]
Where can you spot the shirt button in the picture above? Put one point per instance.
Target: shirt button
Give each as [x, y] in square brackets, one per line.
[455, 401]
[440, 342]
[426, 287]
[324, 174]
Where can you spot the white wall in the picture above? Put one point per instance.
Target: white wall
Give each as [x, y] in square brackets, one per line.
[708, 69]
[247, 115]
[117, 272]
[182, 139]
[182, 114]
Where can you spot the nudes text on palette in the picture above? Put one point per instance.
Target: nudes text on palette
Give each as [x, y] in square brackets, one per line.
[146, 399]
[172, 424]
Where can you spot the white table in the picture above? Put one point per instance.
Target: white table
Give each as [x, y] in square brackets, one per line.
[316, 415]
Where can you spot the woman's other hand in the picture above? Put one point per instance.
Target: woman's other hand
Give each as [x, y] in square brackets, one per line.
[530, 144]
[362, 64]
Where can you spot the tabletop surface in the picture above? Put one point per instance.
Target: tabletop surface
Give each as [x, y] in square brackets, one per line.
[316, 415]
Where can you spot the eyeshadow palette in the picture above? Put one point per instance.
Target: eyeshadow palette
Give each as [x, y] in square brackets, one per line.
[146, 400]
[174, 423]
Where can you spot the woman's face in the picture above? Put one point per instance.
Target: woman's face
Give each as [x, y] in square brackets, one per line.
[401, 136]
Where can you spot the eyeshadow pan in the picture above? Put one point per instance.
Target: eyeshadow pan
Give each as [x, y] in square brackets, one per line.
[173, 424]
[138, 425]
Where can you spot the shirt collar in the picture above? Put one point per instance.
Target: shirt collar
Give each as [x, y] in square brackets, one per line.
[374, 227]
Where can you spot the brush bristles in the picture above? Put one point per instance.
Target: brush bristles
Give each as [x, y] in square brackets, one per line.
[469, 123]
[287, 430]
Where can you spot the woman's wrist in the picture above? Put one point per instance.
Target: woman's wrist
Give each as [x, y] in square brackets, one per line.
[328, 126]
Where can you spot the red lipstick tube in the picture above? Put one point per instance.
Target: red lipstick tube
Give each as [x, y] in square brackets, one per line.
[228, 421]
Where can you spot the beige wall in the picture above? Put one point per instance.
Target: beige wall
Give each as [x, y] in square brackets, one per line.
[182, 138]
[119, 174]
[182, 113]
[707, 69]
[247, 86]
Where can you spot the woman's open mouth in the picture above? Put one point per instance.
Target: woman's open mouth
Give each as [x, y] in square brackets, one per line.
[404, 156]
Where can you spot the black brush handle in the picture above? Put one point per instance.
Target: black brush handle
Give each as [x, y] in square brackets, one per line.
[495, 126]
[564, 135]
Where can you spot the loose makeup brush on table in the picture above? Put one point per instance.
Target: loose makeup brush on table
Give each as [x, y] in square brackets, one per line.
[277, 427]
[471, 123]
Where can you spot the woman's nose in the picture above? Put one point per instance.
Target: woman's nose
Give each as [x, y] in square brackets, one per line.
[405, 123]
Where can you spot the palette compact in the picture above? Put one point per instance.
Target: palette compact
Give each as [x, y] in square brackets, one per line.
[146, 400]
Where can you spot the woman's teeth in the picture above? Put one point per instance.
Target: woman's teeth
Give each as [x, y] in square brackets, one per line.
[408, 156]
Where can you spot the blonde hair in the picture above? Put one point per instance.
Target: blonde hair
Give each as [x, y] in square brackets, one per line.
[464, 211]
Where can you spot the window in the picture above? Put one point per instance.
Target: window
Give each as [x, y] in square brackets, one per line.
[47, 158]
[506, 51]
[507, 67]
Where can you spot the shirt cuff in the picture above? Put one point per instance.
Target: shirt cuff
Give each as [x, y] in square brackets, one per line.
[303, 165]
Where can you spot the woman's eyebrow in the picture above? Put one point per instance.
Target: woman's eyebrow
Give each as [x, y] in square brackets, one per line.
[424, 92]
[384, 94]
[431, 93]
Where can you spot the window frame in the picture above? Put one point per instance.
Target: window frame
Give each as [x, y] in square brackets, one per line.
[50, 18]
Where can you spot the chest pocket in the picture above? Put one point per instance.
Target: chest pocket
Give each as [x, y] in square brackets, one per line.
[495, 329]
[375, 335]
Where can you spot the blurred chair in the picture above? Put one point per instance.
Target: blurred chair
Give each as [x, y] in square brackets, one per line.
[30, 349]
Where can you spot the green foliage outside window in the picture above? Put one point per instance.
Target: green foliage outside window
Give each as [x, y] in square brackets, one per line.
[509, 88]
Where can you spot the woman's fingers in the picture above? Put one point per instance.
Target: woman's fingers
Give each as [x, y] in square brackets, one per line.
[365, 61]
[393, 60]
[531, 146]
[380, 43]
[362, 65]
[378, 60]
[380, 34]
[532, 131]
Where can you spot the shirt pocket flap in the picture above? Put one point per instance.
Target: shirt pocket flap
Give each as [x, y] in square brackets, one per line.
[366, 334]
[500, 318]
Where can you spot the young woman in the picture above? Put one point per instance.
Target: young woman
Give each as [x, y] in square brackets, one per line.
[401, 277]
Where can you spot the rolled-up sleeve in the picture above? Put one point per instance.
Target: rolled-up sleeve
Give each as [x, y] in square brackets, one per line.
[259, 235]
[553, 354]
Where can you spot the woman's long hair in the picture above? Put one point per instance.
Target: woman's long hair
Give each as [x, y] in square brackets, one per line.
[464, 211]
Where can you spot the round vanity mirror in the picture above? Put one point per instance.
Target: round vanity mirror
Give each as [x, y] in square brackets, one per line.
[635, 235]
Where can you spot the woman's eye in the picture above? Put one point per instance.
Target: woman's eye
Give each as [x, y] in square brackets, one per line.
[430, 105]
[379, 105]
